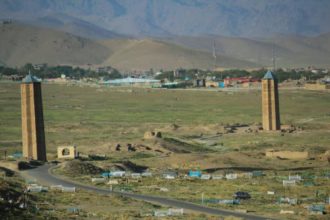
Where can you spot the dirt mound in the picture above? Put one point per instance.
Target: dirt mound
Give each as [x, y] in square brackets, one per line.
[126, 166]
[134, 167]
[77, 167]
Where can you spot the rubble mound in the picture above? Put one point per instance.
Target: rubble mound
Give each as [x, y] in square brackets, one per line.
[152, 135]
[77, 167]
[127, 166]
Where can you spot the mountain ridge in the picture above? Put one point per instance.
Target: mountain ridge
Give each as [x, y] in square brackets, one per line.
[141, 18]
[21, 44]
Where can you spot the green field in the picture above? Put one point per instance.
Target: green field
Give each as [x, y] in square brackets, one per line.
[96, 116]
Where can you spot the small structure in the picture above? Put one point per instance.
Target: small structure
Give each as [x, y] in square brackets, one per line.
[105, 174]
[16, 155]
[229, 201]
[132, 82]
[169, 212]
[289, 182]
[257, 173]
[245, 175]
[231, 176]
[36, 188]
[98, 180]
[136, 175]
[68, 189]
[194, 174]
[318, 209]
[288, 200]
[152, 135]
[199, 83]
[295, 177]
[113, 182]
[56, 187]
[286, 212]
[212, 84]
[146, 174]
[169, 175]
[217, 177]
[67, 152]
[117, 173]
[206, 177]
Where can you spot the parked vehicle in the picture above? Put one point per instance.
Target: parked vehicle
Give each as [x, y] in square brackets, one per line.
[242, 195]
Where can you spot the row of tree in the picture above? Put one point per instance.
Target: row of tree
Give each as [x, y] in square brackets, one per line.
[45, 71]
[281, 74]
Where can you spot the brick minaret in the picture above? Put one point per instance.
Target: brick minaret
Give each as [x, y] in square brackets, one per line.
[33, 134]
[270, 103]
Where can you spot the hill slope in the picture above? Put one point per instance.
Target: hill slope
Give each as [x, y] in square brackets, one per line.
[290, 51]
[21, 44]
[147, 53]
[74, 26]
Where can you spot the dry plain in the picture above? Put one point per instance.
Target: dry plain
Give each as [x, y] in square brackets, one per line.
[194, 137]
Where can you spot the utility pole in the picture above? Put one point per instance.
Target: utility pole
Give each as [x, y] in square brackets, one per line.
[274, 58]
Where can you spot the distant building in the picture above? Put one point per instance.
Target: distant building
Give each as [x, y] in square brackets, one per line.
[212, 84]
[200, 83]
[33, 134]
[129, 81]
[39, 66]
[228, 82]
[105, 69]
[270, 103]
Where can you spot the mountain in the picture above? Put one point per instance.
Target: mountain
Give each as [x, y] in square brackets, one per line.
[21, 44]
[74, 26]
[240, 18]
[147, 53]
[289, 50]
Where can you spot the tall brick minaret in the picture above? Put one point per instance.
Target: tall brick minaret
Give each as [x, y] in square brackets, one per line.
[33, 134]
[270, 103]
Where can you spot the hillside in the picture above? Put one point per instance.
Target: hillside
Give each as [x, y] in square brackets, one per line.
[74, 26]
[147, 53]
[21, 44]
[290, 51]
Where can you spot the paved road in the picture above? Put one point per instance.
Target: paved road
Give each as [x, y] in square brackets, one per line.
[42, 175]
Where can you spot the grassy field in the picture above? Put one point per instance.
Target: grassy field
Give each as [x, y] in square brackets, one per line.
[101, 116]
[97, 118]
